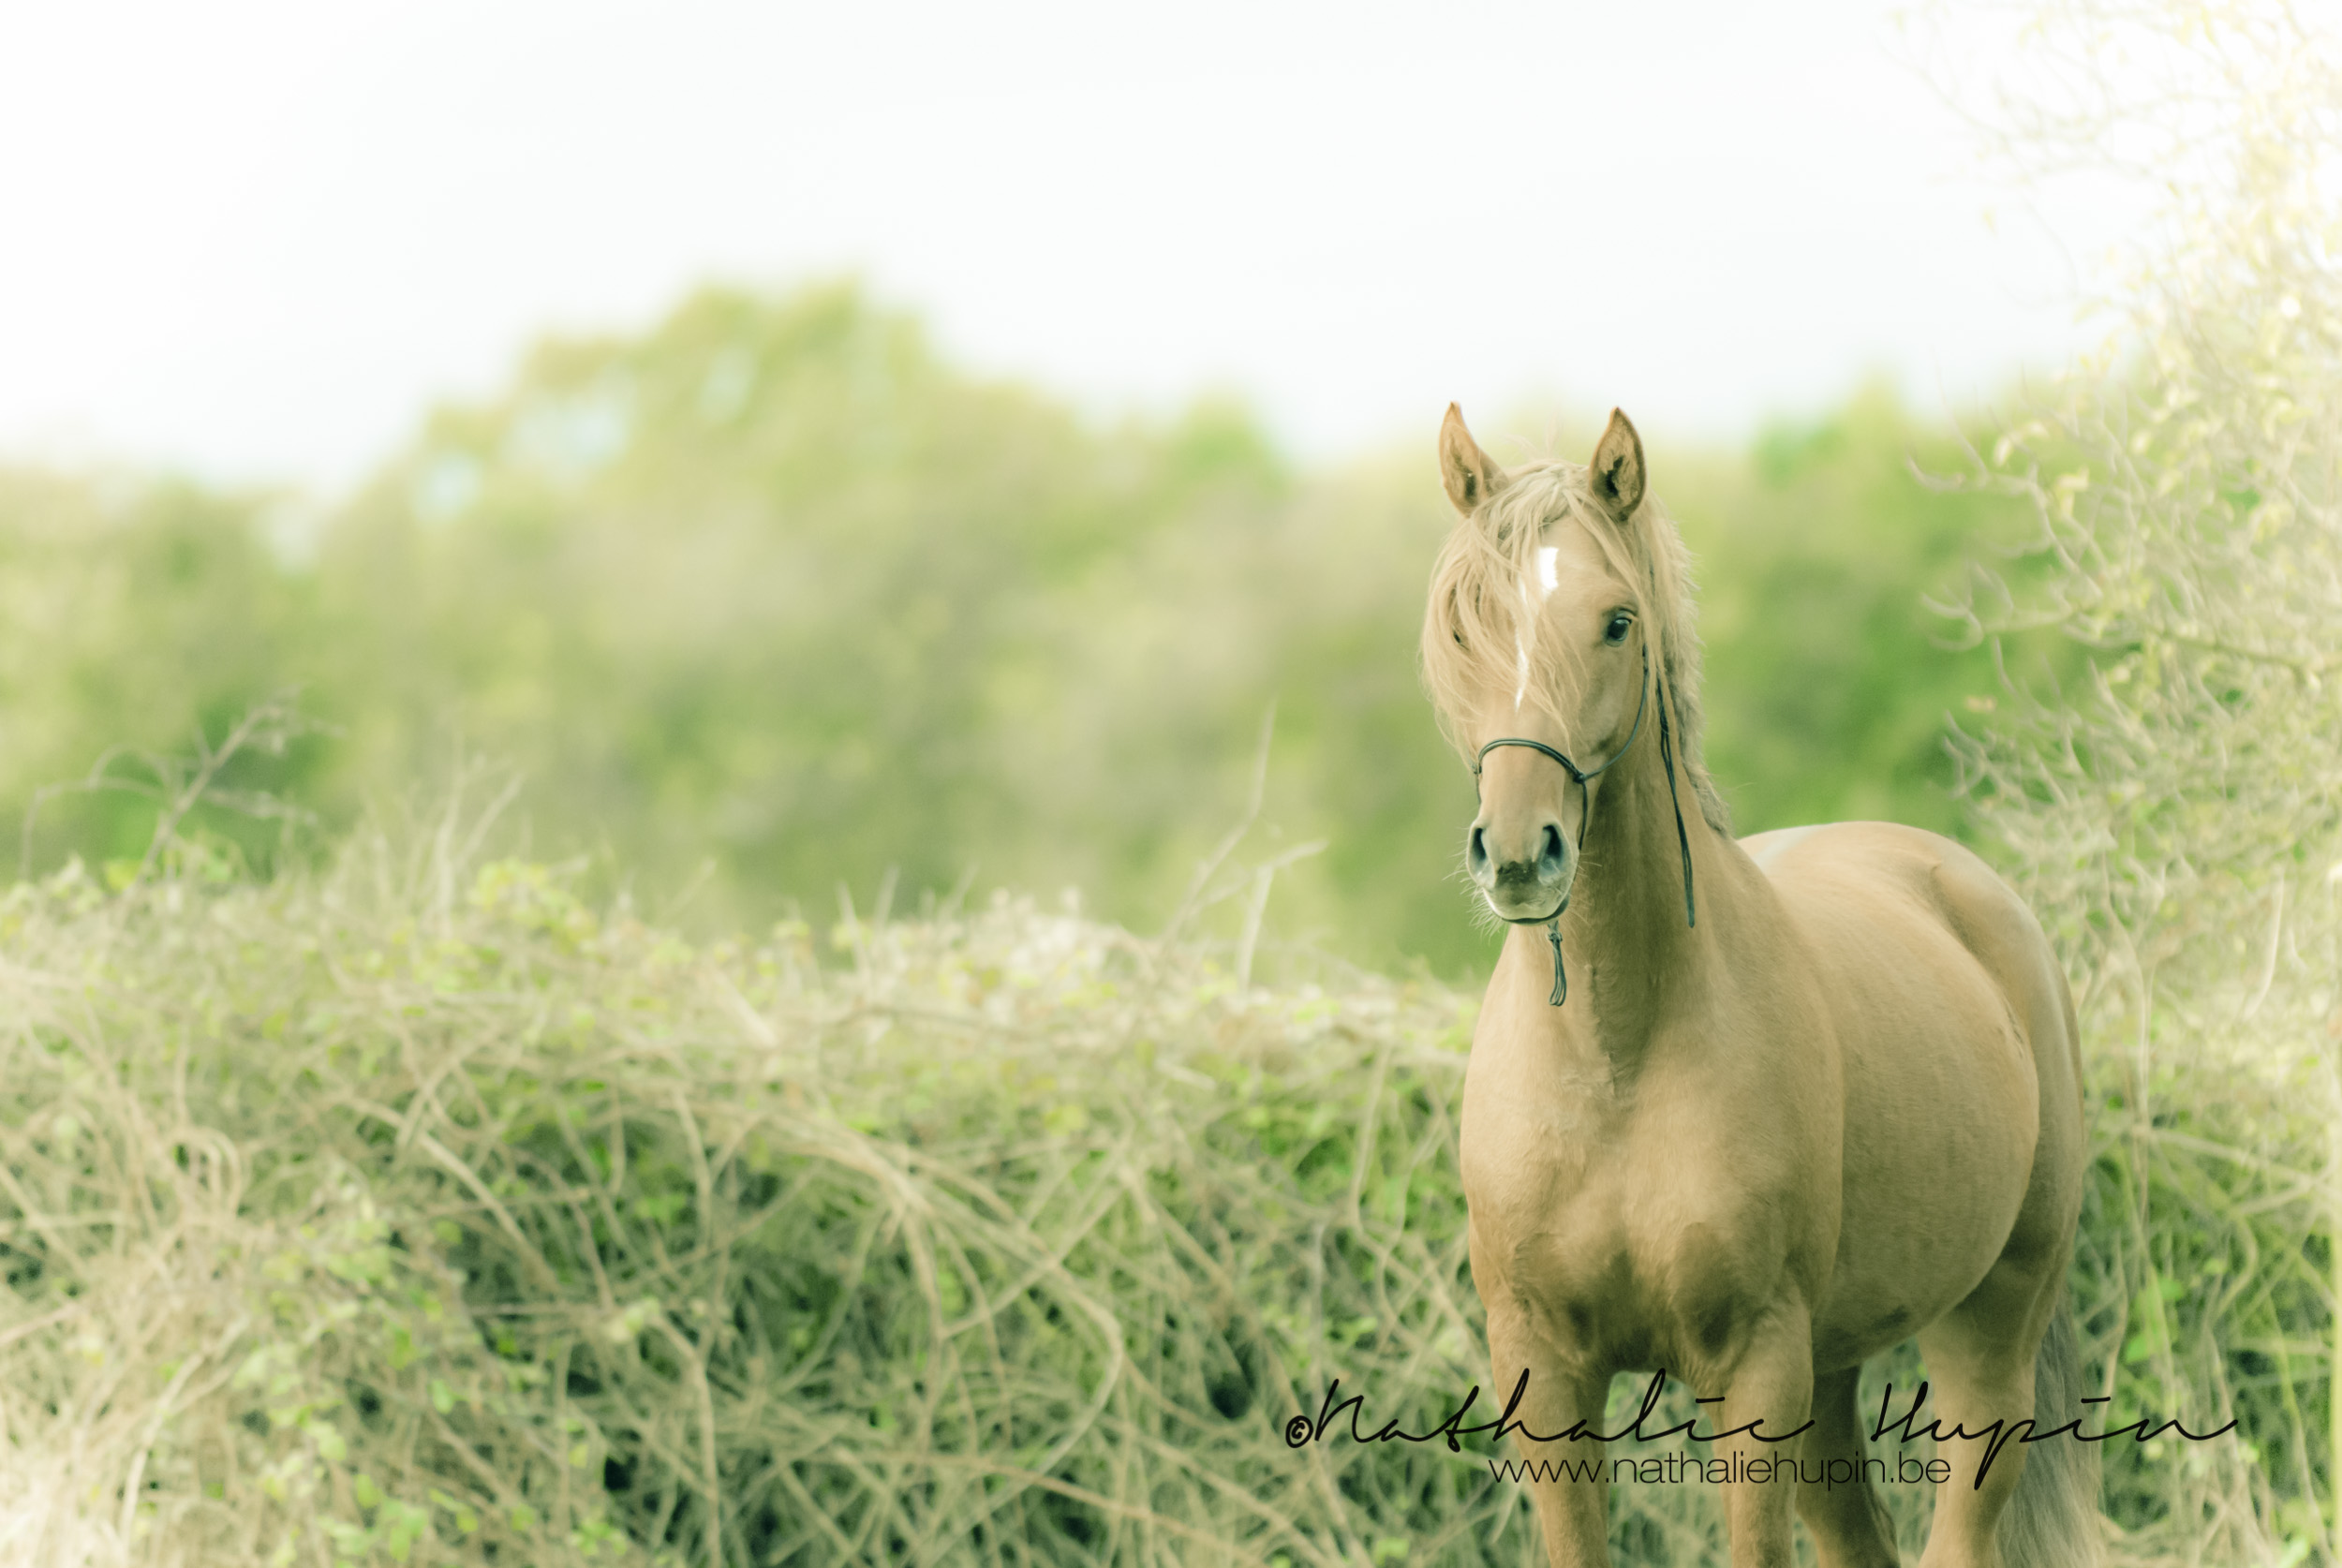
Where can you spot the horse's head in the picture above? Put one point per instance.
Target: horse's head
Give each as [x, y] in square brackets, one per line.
[1535, 650]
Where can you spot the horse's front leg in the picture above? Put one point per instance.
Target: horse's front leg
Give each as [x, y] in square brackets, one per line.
[1768, 1398]
[1567, 1479]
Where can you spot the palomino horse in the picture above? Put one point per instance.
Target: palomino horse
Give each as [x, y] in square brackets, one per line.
[1803, 1095]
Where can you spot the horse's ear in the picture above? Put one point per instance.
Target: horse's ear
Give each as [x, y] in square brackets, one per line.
[1470, 474]
[1617, 472]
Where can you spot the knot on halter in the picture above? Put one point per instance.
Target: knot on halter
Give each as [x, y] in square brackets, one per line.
[1585, 797]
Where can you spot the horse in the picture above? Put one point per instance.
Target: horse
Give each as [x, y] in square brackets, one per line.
[1746, 1112]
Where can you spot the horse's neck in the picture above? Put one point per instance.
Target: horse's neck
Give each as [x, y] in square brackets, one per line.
[1627, 938]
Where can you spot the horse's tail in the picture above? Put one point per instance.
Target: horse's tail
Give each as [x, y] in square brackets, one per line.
[2053, 1520]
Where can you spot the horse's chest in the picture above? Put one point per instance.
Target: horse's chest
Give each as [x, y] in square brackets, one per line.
[1627, 1258]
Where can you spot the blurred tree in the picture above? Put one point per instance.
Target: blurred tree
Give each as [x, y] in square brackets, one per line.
[141, 617]
[1830, 678]
[773, 584]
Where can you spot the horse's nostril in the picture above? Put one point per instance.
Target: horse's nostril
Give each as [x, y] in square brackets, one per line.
[1476, 850]
[1552, 845]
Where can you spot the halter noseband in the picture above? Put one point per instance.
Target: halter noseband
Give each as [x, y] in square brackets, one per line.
[1585, 799]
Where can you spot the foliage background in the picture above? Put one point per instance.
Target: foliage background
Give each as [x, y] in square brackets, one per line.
[772, 600]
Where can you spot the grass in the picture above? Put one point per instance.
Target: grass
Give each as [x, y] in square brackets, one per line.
[412, 1211]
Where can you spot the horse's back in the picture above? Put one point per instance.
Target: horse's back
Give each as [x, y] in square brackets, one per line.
[1883, 896]
[1954, 1024]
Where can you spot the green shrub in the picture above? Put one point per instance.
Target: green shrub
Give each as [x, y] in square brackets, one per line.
[413, 1212]
[401, 1215]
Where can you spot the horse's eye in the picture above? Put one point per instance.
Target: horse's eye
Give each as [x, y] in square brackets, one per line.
[1615, 633]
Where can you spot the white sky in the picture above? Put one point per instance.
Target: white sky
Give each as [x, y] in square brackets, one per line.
[258, 240]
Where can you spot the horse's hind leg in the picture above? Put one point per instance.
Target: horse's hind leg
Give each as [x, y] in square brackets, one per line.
[1979, 1357]
[1849, 1524]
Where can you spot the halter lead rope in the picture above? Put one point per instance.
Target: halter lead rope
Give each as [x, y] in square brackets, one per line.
[1585, 797]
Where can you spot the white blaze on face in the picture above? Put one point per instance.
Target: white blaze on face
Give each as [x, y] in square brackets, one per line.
[1549, 579]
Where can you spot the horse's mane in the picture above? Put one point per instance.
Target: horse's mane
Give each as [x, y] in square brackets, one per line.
[1473, 629]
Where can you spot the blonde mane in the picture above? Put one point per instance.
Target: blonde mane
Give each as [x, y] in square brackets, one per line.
[1478, 628]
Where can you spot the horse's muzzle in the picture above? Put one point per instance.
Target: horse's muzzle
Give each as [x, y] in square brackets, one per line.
[1524, 876]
